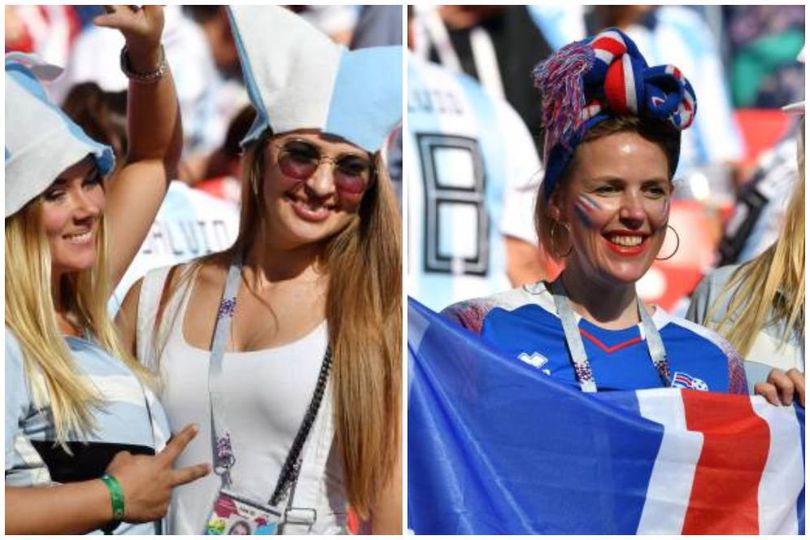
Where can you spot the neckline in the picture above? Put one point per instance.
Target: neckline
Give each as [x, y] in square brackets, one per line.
[321, 326]
[541, 295]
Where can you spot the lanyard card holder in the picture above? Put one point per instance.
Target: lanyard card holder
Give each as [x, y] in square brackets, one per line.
[235, 514]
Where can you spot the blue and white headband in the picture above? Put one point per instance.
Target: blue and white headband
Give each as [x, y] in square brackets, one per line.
[41, 141]
[297, 78]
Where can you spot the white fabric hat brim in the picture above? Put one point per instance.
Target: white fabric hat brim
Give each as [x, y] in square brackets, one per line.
[41, 141]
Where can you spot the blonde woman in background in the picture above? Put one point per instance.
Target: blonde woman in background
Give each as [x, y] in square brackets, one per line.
[286, 348]
[759, 306]
[82, 425]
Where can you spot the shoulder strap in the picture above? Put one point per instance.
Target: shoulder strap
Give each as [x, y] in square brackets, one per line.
[152, 288]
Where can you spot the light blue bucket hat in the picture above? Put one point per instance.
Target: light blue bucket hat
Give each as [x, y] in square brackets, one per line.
[41, 141]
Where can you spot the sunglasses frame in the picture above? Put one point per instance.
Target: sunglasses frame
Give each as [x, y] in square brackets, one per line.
[282, 148]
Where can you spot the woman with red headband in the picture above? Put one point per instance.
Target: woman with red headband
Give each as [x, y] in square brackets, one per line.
[612, 140]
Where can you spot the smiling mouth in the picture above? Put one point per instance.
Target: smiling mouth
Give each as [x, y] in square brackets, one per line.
[79, 238]
[626, 244]
[308, 211]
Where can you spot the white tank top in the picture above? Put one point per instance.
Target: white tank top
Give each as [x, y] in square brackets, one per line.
[267, 394]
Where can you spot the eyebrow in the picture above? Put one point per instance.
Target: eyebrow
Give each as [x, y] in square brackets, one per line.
[611, 178]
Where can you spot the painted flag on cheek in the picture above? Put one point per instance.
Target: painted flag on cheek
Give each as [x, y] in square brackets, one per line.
[497, 447]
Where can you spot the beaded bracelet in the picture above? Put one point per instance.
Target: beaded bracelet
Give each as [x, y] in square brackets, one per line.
[143, 77]
[117, 498]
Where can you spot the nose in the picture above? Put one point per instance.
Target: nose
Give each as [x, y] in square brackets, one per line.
[322, 181]
[632, 213]
[86, 205]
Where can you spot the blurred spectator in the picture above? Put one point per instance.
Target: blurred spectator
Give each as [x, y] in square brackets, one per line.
[207, 100]
[189, 224]
[764, 43]
[761, 204]
[377, 26]
[48, 31]
[337, 22]
[102, 115]
[474, 174]
[497, 45]
[214, 23]
[224, 169]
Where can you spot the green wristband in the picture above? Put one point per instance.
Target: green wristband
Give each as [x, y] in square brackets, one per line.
[116, 496]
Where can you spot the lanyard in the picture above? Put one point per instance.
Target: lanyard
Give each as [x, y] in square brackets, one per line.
[582, 367]
[224, 457]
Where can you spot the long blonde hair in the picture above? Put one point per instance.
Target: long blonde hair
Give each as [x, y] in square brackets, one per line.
[364, 316]
[53, 375]
[769, 289]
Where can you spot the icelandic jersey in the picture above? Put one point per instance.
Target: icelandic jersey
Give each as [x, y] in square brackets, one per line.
[475, 173]
[523, 324]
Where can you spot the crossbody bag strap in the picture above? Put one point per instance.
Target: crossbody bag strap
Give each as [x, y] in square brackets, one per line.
[291, 469]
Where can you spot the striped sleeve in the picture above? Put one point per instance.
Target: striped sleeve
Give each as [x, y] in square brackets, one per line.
[24, 465]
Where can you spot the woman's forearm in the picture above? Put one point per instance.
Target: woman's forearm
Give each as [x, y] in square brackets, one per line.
[154, 129]
[74, 508]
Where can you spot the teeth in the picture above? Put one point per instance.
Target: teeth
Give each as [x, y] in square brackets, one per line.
[79, 238]
[627, 241]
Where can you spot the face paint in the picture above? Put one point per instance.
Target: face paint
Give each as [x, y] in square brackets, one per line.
[585, 207]
[618, 202]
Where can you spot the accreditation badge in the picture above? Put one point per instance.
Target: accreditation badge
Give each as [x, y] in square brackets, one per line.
[235, 514]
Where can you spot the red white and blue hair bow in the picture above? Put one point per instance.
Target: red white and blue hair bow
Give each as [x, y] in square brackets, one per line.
[590, 81]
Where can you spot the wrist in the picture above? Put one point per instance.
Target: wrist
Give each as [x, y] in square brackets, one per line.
[144, 58]
[116, 499]
[144, 67]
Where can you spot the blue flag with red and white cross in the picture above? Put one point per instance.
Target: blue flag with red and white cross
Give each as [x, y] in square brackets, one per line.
[497, 447]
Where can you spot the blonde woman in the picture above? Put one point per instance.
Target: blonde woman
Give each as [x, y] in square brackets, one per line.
[82, 425]
[759, 307]
[286, 347]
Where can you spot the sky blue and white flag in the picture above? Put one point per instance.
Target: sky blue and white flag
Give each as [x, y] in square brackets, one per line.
[497, 447]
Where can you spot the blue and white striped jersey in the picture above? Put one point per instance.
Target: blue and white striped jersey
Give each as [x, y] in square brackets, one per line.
[124, 423]
[474, 173]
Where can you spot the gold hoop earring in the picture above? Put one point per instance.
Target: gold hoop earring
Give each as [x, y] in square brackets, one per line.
[554, 242]
[677, 244]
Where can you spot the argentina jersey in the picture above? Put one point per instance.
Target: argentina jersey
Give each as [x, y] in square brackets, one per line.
[189, 224]
[123, 422]
[473, 173]
[523, 324]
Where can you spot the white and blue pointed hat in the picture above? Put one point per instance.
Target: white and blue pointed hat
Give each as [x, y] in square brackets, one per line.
[41, 141]
[298, 78]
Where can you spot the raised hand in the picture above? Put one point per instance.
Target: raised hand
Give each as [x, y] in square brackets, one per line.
[142, 28]
[147, 481]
